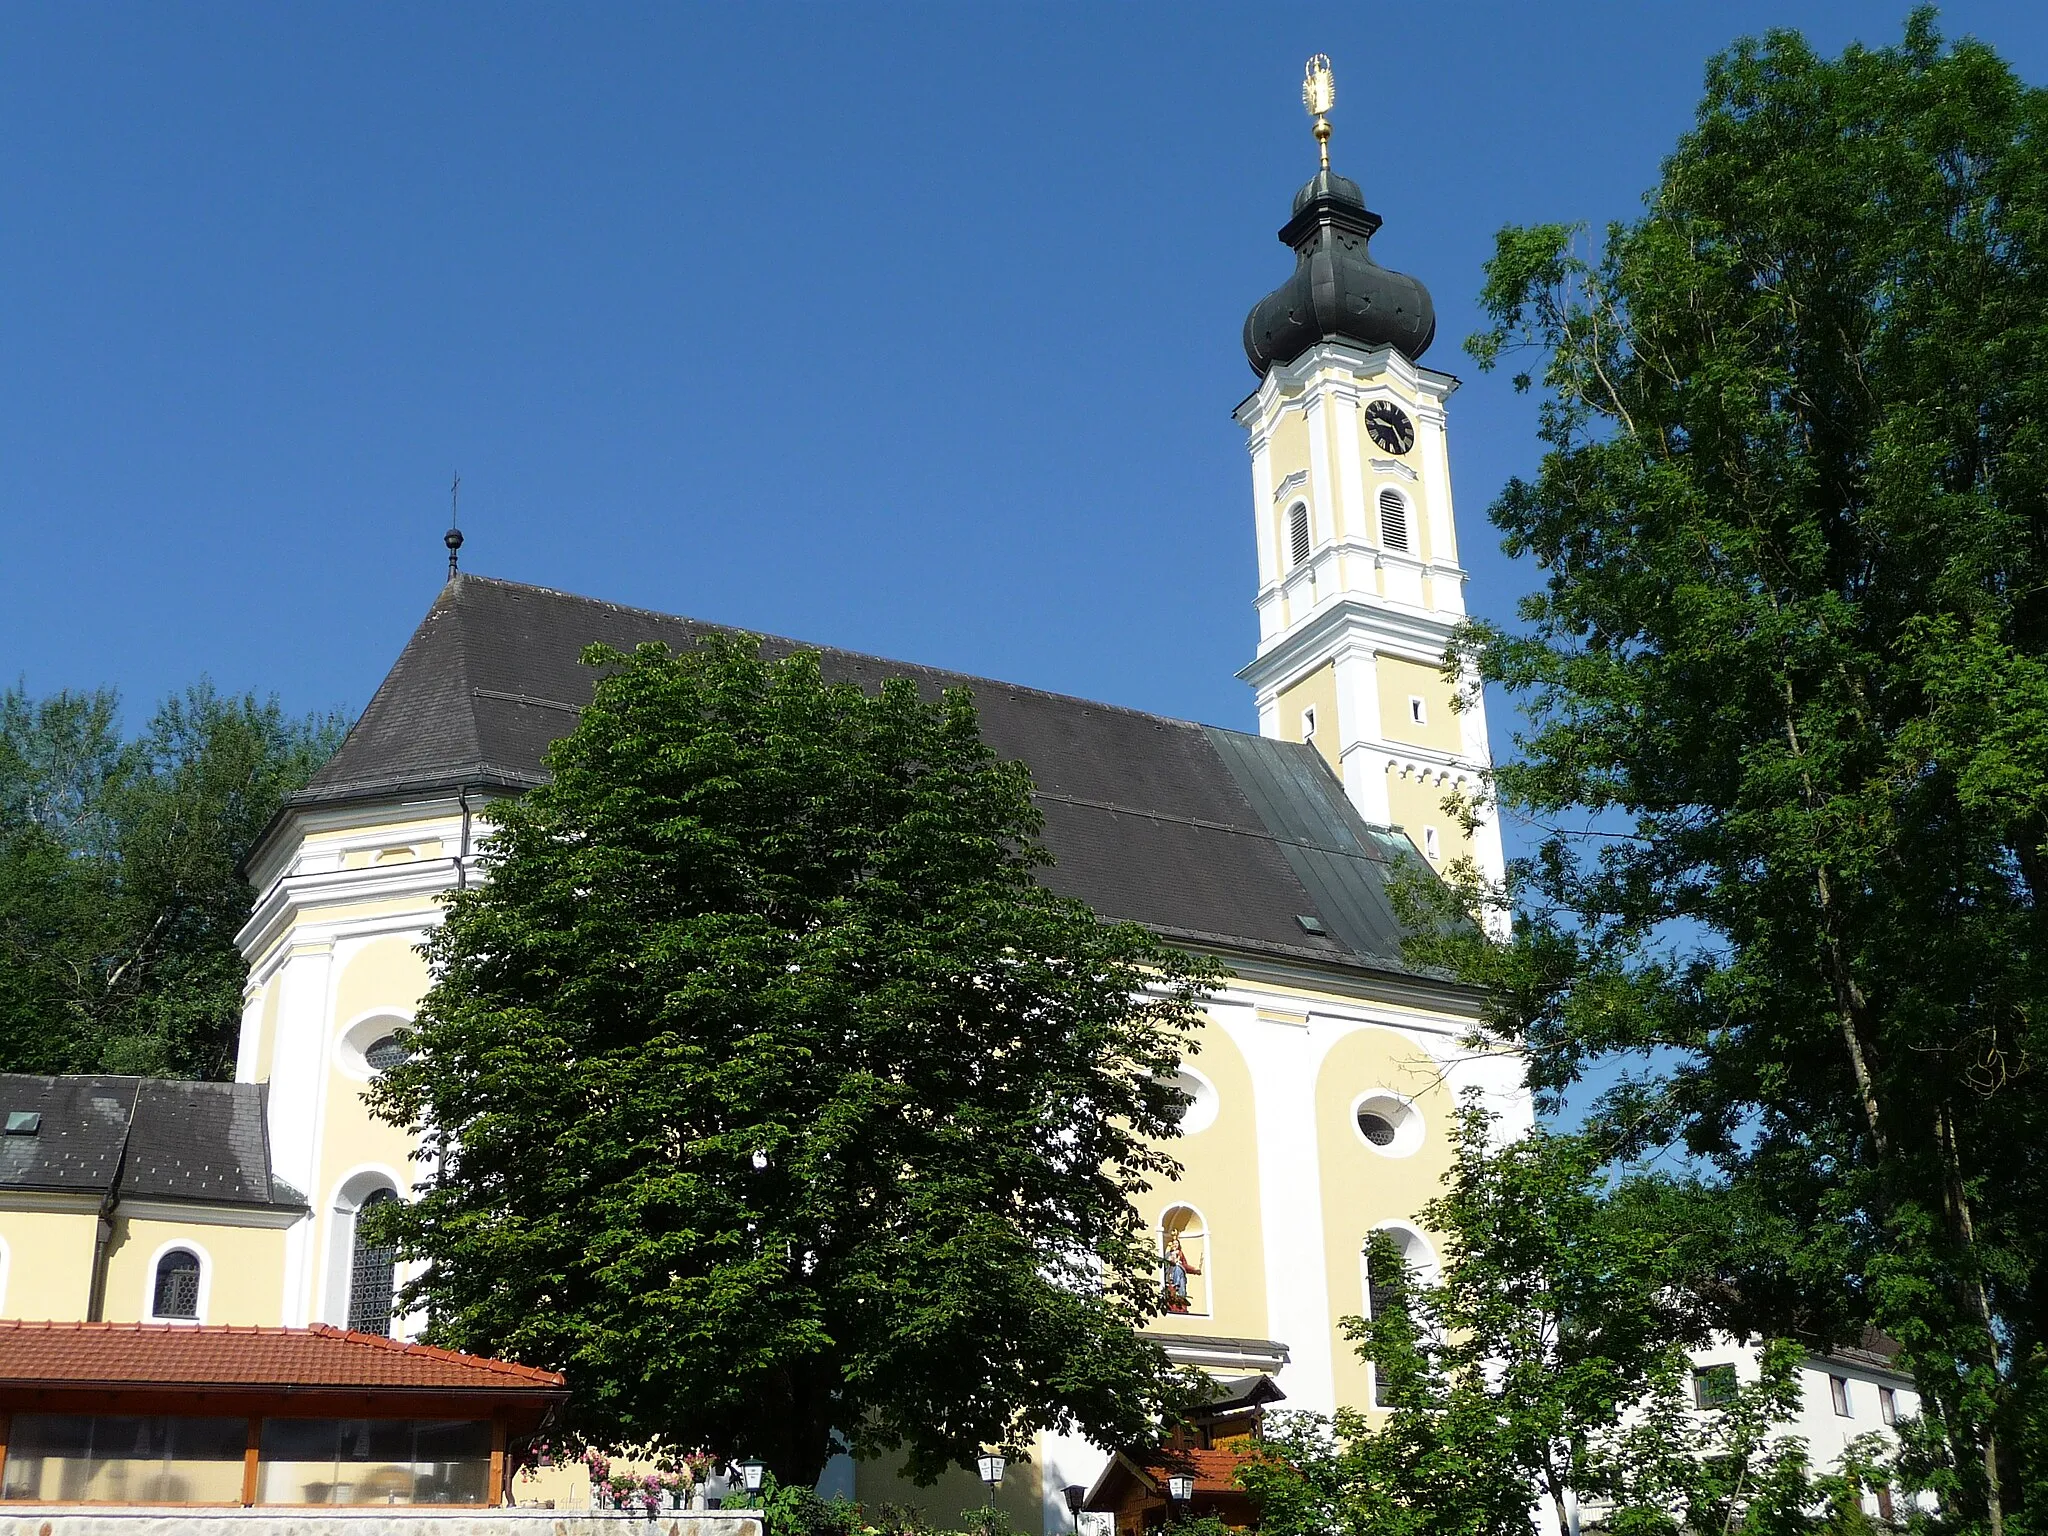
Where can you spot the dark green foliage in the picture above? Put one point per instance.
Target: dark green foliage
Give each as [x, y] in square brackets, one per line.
[765, 1093]
[1548, 1362]
[1787, 684]
[119, 891]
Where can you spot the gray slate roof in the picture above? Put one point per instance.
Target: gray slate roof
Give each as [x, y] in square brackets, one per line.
[1203, 834]
[185, 1140]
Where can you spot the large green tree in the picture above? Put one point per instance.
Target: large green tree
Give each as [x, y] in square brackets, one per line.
[1786, 685]
[120, 893]
[764, 1090]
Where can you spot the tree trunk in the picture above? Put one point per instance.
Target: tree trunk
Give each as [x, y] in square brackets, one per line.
[1964, 1229]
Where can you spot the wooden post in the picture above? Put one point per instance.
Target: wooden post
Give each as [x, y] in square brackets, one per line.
[497, 1461]
[6, 1430]
[249, 1455]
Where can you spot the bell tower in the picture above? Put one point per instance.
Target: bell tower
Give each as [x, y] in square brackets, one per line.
[1359, 582]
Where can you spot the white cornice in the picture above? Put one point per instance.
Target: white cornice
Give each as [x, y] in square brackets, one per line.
[1374, 624]
[293, 905]
[1282, 383]
[206, 1213]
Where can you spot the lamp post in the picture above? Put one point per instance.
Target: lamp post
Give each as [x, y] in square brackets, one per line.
[750, 1474]
[1076, 1496]
[1180, 1488]
[992, 1474]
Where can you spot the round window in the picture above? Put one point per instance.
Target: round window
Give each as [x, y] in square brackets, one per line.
[1378, 1129]
[1387, 1123]
[384, 1052]
[1201, 1114]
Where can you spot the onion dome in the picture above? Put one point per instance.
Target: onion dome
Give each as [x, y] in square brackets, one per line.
[1338, 292]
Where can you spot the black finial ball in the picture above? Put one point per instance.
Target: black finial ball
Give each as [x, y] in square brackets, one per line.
[453, 540]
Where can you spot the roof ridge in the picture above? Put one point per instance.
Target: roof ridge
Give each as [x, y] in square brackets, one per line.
[836, 650]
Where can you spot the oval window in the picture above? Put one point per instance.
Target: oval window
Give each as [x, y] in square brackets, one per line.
[385, 1052]
[1387, 1123]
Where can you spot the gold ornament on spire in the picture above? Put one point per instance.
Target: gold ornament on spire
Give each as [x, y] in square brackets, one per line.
[1319, 94]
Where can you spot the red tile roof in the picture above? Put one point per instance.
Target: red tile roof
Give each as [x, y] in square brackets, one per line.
[1213, 1471]
[167, 1354]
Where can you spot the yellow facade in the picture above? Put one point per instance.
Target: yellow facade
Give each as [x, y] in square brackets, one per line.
[49, 1261]
[1317, 692]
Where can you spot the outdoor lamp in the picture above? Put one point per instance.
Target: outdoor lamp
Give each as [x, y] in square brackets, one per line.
[992, 1473]
[1076, 1496]
[750, 1473]
[1180, 1487]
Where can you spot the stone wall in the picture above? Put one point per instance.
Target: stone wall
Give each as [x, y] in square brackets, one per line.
[70, 1520]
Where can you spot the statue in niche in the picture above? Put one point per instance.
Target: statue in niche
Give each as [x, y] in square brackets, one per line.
[1181, 1263]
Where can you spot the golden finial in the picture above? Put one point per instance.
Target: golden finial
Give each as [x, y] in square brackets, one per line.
[1319, 94]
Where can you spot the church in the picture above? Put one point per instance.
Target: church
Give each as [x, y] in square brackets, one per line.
[1328, 1067]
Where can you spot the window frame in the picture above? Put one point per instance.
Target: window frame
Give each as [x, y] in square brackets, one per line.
[1838, 1394]
[1394, 497]
[377, 1196]
[204, 1290]
[1714, 1386]
[1299, 520]
[1888, 1405]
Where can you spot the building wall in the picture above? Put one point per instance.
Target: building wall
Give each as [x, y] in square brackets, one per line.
[48, 1272]
[240, 1267]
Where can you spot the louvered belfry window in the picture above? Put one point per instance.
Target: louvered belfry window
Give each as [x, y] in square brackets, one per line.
[1297, 533]
[1393, 520]
[177, 1285]
[370, 1281]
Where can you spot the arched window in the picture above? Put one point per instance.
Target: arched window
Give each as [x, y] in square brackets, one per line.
[1393, 520]
[1297, 533]
[1384, 1290]
[1184, 1261]
[176, 1293]
[372, 1274]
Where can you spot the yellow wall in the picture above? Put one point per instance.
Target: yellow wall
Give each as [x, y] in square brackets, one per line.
[1288, 453]
[49, 1263]
[1413, 804]
[957, 1491]
[1400, 680]
[245, 1278]
[1220, 1178]
[1317, 690]
[1363, 1187]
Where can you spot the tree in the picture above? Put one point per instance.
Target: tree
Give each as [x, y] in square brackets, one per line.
[1786, 686]
[1547, 1368]
[120, 893]
[1508, 1374]
[763, 1091]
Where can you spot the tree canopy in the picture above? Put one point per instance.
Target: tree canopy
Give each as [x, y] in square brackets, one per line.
[1787, 699]
[764, 1091]
[120, 890]
[1546, 1367]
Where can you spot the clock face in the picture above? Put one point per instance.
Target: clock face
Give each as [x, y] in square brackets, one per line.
[1388, 426]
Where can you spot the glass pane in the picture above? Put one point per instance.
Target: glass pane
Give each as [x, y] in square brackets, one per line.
[124, 1459]
[297, 1461]
[375, 1461]
[41, 1452]
[177, 1285]
[372, 1276]
[454, 1465]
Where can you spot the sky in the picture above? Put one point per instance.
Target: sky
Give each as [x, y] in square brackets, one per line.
[913, 330]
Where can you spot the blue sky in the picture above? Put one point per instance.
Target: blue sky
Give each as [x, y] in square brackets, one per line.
[913, 330]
